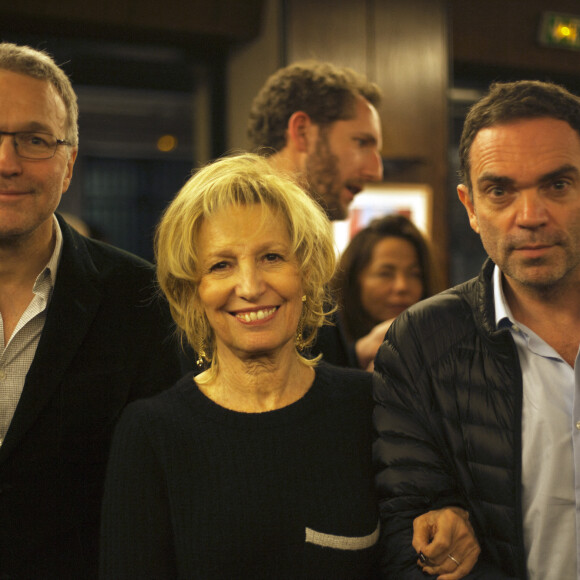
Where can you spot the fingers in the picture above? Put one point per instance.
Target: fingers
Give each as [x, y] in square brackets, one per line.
[434, 531]
[453, 568]
[465, 566]
[446, 543]
[449, 569]
[451, 534]
[367, 346]
[463, 557]
[423, 531]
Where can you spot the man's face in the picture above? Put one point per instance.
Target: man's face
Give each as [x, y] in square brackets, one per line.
[526, 201]
[30, 189]
[345, 155]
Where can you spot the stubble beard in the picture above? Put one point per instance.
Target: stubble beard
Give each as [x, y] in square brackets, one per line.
[322, 178]
[545, 275]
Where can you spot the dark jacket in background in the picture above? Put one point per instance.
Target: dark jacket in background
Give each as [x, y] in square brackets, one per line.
[332, 343]
[448, 388]
[106, 342]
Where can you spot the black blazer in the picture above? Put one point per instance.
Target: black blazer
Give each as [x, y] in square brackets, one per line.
[106, 342]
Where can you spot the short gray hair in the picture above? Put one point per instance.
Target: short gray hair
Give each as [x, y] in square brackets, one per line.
[39, 64]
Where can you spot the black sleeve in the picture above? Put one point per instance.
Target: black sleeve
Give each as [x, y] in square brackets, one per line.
[414, 466]
[136, 534]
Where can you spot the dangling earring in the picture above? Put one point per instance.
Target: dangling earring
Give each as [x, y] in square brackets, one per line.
[200, 355]
[299, 338]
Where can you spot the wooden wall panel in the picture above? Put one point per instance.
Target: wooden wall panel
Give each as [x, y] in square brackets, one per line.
[412, 69]
[332, 30]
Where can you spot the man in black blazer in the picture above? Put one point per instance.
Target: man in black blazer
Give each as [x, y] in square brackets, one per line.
[81, 335]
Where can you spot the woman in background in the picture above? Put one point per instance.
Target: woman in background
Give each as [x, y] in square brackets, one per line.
[386, 268]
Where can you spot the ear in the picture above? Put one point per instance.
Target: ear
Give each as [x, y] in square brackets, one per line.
[69, 170]
[299, 126]
[467, 201]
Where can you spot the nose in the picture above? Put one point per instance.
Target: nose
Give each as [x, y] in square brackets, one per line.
[373, 166]
[401, 283]
[531, 209]
[250, 283]
[10, 162]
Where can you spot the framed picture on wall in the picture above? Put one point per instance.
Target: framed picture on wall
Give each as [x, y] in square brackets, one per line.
[377, 200]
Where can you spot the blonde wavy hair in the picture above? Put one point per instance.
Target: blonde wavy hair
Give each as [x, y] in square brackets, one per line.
[241, 180]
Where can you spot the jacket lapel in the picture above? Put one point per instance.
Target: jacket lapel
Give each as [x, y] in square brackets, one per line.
[74, 304]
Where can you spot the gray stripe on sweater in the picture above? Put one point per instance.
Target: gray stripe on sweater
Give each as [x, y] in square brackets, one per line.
[342, 542]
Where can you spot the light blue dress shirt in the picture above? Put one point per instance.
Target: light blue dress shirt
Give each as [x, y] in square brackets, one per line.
[550, 450]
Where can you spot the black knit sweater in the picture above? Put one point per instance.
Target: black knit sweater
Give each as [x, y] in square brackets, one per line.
[198, 491]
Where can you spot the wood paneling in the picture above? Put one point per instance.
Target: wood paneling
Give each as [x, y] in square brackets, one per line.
[412, 69]
[332, 30]
[411, 52]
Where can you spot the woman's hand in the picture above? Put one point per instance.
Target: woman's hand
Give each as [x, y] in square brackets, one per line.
[446, 543]
[367, 346]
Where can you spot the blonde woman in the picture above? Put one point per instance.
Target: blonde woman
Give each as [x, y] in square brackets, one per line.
[259, 466]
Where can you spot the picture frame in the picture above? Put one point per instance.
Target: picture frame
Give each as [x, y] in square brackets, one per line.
[414, 200]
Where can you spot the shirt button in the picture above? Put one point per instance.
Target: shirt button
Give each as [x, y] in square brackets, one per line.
[578, 425]
[2, 374]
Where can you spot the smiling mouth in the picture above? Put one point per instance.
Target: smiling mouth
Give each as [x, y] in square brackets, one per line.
[255, 314]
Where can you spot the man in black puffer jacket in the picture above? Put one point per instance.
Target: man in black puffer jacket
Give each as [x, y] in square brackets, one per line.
[475, 386]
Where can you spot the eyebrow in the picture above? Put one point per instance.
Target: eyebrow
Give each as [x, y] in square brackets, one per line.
[33, 126]
[565, 169]
[497, 179]
[369, 137]
[547, 177]
[268, 246]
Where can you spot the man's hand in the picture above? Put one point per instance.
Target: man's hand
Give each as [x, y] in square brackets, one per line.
[367, 346]
[446, 543]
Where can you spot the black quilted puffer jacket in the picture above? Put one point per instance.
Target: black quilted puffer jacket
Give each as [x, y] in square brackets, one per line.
[448, 389]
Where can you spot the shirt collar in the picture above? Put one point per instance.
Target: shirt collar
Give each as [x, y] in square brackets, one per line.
[503, 314]
[47, 277]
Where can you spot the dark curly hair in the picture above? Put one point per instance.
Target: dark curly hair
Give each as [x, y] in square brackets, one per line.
[325, 92]
[357, 256]
[506, 102]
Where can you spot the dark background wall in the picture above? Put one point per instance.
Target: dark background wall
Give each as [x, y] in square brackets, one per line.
[146, 68]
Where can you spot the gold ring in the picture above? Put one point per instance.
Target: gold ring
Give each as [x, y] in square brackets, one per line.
[453, 560]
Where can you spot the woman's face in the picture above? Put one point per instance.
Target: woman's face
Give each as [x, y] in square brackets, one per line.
[392, 281]
[250, 287]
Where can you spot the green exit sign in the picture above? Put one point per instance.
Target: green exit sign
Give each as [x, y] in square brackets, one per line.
[560, 30]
